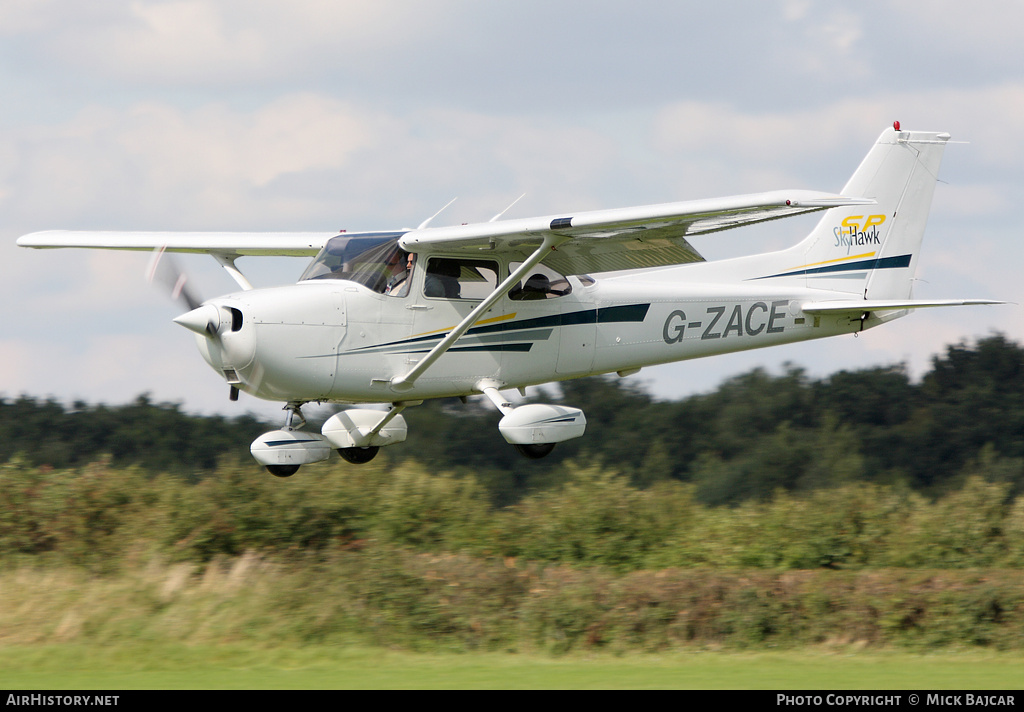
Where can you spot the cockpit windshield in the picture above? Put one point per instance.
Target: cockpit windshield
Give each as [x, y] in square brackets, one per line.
[370, 260]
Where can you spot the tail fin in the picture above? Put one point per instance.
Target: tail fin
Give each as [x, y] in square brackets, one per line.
[872, 251]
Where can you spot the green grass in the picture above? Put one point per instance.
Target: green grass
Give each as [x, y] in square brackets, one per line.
[137, 666]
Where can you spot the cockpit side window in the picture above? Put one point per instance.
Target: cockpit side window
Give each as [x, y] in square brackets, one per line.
[371, 260]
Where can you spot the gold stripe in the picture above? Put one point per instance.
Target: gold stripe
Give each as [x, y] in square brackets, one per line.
[492, 320]
[828, 262]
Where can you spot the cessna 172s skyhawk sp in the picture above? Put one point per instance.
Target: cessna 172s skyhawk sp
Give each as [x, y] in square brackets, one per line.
[397, 317]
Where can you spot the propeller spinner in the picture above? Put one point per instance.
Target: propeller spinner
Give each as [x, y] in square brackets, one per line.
[209, 320]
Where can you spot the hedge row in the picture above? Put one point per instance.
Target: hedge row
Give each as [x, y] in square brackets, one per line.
[101, 517]
[383, 595]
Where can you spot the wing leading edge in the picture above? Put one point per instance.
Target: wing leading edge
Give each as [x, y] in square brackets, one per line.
[291, 244]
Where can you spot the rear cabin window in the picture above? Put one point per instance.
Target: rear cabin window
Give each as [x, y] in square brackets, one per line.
[543, 283]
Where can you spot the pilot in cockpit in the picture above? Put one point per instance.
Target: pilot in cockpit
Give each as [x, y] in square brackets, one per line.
[400, 264]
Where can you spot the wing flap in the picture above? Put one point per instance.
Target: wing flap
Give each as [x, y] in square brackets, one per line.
[292, 244]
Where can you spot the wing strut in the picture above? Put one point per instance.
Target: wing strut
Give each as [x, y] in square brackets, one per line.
[404, 383]
[228, 263]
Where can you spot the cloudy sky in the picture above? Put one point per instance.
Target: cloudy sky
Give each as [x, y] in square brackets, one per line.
[321, 115]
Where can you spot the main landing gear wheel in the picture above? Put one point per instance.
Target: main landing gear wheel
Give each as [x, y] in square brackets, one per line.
[535, 451]
[282, 470]
[358, 455]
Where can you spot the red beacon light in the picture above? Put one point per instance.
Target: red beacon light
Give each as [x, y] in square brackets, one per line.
[896, 125]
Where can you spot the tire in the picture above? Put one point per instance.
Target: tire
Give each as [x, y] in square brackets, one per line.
[282, 470]
[535, 451]
[358, 455]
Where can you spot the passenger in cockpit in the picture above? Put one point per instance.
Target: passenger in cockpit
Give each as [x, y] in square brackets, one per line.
[442, 279]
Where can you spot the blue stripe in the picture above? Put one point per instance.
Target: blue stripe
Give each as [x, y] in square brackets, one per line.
[605, 315]
[878, 263]
[277, 443]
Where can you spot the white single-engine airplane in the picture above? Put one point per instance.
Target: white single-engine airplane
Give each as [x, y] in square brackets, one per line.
[400, 316]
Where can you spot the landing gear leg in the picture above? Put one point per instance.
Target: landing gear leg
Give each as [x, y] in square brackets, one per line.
[293, 419]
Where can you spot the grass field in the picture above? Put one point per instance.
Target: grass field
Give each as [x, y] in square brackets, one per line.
[55, 667]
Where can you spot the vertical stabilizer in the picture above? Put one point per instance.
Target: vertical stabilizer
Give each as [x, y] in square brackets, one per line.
[872, 251]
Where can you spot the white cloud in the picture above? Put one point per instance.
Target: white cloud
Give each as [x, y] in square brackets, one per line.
[289, 135]
[175, 39]
[27, 16]
[170, 166]
[830, 43]
[200, 42]
[987, 116]
[793, 10]
[990, 26]
[290, 162]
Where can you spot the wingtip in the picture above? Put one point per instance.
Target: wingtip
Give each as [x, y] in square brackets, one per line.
[30, 240]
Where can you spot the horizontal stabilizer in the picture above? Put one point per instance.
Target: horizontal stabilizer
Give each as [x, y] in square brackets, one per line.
[859, 306]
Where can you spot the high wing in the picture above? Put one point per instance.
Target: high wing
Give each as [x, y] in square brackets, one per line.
[233, 244]
[594, 241]
[624, 238]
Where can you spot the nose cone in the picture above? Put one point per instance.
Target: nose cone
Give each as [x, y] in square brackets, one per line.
[224, 336]
[203, 320]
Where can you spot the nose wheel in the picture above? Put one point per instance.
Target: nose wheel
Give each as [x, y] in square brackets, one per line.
[293, 420]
